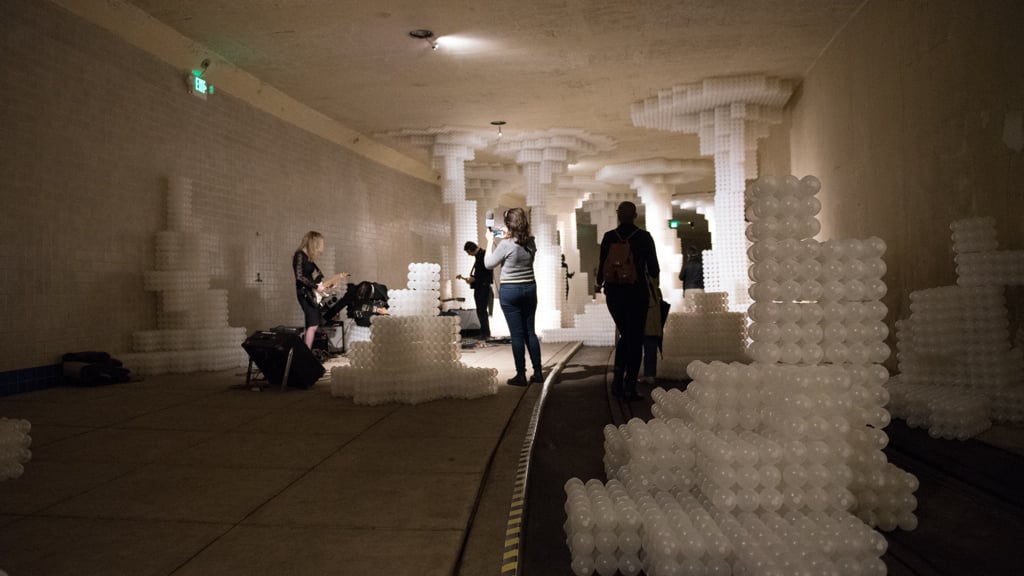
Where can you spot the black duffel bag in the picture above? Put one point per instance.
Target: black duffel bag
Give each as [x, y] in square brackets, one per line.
[93, 369]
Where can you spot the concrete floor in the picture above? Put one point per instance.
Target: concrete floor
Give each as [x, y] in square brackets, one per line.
[196, 475]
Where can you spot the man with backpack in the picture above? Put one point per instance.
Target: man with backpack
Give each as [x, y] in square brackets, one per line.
[627, 257]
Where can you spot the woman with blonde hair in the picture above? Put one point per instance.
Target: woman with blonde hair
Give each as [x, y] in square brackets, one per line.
[309, 281]
[518, 292]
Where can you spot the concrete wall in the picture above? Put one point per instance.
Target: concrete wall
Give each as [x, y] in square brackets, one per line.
[91, 128]
[911, 118]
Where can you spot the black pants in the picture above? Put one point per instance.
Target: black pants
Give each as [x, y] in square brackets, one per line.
[482, 297]
[627, 304]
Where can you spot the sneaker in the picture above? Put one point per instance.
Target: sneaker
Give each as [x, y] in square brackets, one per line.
[517, 380]
[537, 378]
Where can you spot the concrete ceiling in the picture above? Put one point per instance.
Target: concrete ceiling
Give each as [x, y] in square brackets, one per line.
[535, 64]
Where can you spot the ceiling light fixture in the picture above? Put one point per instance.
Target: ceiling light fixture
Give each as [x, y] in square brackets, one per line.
[425, 35]
[499, 124]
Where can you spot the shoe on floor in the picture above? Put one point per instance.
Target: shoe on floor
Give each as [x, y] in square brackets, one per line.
[517, 380]
[537, 378]
[647, 380]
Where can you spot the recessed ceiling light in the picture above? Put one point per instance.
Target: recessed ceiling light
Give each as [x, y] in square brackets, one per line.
[425, 35]
[422, 34]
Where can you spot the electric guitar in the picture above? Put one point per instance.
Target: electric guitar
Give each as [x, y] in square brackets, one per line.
[330, 295]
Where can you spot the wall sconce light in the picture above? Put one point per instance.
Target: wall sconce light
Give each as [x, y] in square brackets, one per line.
[499, 124]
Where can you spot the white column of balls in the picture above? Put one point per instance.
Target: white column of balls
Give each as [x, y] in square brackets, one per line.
[820, 303]
[192, 320]
[413, 355]
[959, 369]
[15, 442]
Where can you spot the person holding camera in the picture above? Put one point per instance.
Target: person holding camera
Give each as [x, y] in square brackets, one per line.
[480, 278]
[518, 291]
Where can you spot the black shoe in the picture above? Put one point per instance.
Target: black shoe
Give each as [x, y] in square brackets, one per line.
[517, 380]
[537, 378]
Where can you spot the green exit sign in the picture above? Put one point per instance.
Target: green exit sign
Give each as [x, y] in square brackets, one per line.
[673, 224]
[197, 86]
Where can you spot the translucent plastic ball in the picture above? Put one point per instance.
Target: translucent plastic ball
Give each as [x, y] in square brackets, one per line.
[766, 206]
[766, 312]
[790, 353]
[723, 499]
[811, 333]
[795, 452]
[629, 542]
[789, 268]
[606, 564]
[769, 476]
[809, 185]
[767, 352]
[875, 246]
[790, 227]
[790, 331]
[875, 289]
[811, 313]
[582, 565]
[605, 541]
[629, 564]
[789, 204]
[789, 185]
[809, 227]
[810, 249]
[582, 542]
[832, 291]
[907, 521]
[747, 500]
[834, 332]
[811, 290]
[809, 269]
[810, 206]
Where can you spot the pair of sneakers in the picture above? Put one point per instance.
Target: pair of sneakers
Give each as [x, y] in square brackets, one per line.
[520, 379]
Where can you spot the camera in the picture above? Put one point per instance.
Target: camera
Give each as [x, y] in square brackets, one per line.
[489, 219]
[498, 233]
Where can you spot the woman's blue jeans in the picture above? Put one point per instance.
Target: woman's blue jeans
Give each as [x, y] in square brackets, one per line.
[519, 303]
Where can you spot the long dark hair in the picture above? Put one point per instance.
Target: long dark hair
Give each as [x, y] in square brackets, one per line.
[519, 228]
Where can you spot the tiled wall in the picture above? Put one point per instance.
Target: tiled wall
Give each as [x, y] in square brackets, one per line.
[91, 129]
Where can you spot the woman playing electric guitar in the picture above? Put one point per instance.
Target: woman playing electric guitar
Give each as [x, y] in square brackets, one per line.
[310, 283]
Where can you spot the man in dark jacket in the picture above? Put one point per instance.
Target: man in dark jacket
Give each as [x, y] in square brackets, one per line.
[692, 274]
[481, 279]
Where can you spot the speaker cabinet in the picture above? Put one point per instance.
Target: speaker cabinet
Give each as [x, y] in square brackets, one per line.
[283, 358]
